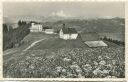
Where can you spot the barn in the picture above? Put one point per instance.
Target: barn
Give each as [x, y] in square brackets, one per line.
[68, 33]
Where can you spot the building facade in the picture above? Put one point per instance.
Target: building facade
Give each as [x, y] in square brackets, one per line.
[68, 33]
[36, 28]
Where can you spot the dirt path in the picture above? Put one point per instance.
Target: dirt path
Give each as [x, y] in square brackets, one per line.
[14, 51]
[34, 43]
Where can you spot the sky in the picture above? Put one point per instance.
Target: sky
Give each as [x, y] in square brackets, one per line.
[64, 9]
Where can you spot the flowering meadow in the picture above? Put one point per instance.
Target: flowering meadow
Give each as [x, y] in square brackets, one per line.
[101, 62]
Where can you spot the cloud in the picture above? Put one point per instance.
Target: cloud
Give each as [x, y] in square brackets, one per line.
[60, 13]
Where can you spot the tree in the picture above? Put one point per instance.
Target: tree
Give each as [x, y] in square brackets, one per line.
[24, 23]
[5, 28]
[19, 22]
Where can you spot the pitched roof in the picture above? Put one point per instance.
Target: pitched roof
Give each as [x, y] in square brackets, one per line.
[95, 43]
[89, 36]
[69, 30]
[46, 27]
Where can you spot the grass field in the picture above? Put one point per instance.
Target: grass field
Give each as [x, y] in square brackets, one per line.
[56, 43]
[57, 58]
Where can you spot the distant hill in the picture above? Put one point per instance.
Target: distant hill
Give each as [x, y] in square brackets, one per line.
[14, 19]
[81, 24]
[113, 28]
[99, 25]
[114, 25]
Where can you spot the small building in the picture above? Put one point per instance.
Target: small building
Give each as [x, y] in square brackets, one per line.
[68, 33]
[35, 27]
[49, 31]
[92, 39]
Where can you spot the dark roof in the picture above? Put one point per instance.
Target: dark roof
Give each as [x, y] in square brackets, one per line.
[69, 30]
[46, 27]
[89, 36]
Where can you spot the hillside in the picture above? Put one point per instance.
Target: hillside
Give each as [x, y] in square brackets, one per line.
[72, 57]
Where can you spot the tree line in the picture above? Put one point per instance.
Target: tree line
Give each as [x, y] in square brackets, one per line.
[113, 41]
[11, 36]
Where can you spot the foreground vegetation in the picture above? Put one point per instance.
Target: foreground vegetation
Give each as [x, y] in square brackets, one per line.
[68, 63]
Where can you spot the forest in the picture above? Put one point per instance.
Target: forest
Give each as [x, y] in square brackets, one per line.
[13, 37]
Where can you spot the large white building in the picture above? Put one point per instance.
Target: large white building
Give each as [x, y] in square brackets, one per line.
[36, 27]
[68, 33]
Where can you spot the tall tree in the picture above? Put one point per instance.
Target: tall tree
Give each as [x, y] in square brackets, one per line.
[19, 22]
[5, 28]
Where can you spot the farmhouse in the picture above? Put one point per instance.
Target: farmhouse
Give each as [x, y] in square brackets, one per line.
[68, 33]
[36, 27]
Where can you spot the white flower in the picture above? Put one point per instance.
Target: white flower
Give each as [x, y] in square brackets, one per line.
[97, 71]
[31, 66]
[106, 71]
[59, 69]
[102, 62]
[100, 57]
[113, 62]
[78, 70]
[74, 66]
[67, 59]
[63, 70]
[95, 63]
[87, 67]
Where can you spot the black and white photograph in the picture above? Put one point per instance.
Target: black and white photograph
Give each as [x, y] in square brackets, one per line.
[63, 40]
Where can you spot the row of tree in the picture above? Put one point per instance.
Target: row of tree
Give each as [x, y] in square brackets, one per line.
[14, 36]
[114, 41]
[21, 23]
